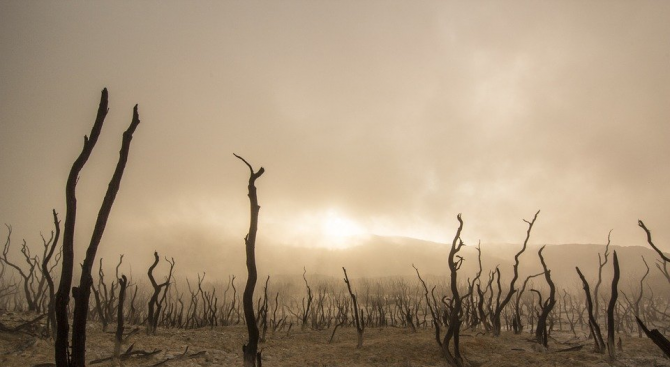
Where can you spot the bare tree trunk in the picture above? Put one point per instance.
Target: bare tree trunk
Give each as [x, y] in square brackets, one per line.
[665, 259]
[62, 350]
[82, 293]
[497, 326]
[601, 265]
[51, 310]
[610, 309]
[517, 325]
[593, 322]
[455, 312]
[358, 313]
[250, 350]
[118, 337]
[541, 334]
[154, 307]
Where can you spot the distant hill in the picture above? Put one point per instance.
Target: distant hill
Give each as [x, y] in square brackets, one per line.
[378, 256]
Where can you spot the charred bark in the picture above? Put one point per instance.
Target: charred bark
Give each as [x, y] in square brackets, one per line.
[541, 335]
[62, 347]
[610, 309]
[497, 326]
[593, 322]
[51, 310]
[82, 293]
[251, 355]
[358, 313]
[452, 334]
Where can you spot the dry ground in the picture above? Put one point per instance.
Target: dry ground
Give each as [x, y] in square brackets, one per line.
[222, 346]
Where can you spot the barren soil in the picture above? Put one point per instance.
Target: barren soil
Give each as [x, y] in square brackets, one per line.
[222, 346]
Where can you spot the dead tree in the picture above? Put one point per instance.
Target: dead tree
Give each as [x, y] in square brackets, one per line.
[636, 306]
[474, 309]
[517, 325]
[660, 253]
[497, 326]
[452, 335]
[432, 307]
[46, 271]
[82, 293]
[250, 350]
[610, 309]
[593, 322]
[118, 336]
[28, 274]
[358, 313]
[6, 289]
[541, 335]
[306, 308]
[661, 341]
[601, 265]
[154, 305]
[262, 318]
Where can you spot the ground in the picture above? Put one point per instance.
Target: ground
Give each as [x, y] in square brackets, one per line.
[222, 346]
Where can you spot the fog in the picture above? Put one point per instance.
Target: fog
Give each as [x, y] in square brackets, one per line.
[372, 120]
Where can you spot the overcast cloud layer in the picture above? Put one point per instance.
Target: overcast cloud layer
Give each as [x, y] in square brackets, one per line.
[395, 115]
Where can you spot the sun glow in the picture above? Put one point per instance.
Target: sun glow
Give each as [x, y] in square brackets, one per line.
[328, 228]
[335, 225]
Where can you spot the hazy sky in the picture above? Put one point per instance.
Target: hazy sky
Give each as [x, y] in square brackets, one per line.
[376, 117]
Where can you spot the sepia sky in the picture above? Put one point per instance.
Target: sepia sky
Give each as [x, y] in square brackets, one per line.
[370, 117]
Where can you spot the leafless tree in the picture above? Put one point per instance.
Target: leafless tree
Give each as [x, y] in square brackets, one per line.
[611, 348]
[541, 335]
[664, 268]
[118, 336]
[49, 248]
[154, 305]
[26, 275]
[306, 307]
[593, 322]
[250, 350]
[455, 305]
[517, 325]
[497, 326]
[601, 265]
[358, 312]
[82, 293]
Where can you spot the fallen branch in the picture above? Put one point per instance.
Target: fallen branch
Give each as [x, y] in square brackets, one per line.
[572, 349]
[180, 357]
[16, 329]
[127, 354]
[656, 336]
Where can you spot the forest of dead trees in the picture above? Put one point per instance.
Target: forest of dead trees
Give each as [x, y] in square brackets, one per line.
[128, 305]
[37, 282]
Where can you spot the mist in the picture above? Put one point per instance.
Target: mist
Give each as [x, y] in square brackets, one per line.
[371, 120]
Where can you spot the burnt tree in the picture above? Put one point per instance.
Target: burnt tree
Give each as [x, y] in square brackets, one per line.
[28, 274]
[310, 297]
[118, 336]
[47, 275]
[601, 265]
[250, 350]
[517, 325]
[593, 322]
[154, 304]
[660, 253]
[611, 348]
[358, 313]
[82, 293]
[497, 312]
[452, 335]
[541, 335]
